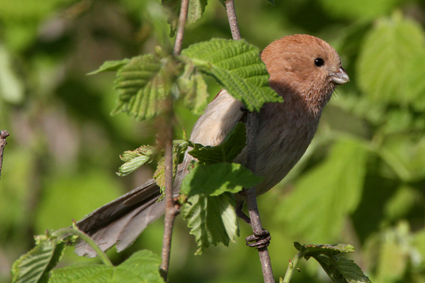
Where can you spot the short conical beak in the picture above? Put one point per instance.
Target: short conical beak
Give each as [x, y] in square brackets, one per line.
[340, 77]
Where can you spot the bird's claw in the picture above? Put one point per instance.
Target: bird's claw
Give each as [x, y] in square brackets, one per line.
[259, 241]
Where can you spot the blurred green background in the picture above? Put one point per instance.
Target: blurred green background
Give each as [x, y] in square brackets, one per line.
[361, 182]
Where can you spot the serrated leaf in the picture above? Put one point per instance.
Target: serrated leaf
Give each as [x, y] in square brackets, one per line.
[341, 270]
[212, 219]
[109, 66]
[35, 265]
[323, 197]
[237, 66]
[218, 178]
[142, 266]
[313, 249]
[231, 146]
[143, 84]
[387, 52]
[135, 158]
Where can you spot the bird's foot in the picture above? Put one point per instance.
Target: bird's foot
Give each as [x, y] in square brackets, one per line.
[260, 240]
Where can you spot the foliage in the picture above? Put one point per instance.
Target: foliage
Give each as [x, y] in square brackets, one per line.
[362, 179]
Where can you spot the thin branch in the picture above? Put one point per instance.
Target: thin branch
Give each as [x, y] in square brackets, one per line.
[233, 21]
[251, 199]
[3, 135]
[180, 30]
[171, 210]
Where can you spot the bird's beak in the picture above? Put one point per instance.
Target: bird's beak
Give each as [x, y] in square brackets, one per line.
[340, 77]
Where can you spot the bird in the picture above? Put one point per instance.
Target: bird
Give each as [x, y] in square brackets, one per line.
[304, 70]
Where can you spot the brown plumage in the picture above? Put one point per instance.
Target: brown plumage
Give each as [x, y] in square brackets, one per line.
[304, 70]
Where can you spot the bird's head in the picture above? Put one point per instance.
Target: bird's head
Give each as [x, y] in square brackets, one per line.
[304, 67]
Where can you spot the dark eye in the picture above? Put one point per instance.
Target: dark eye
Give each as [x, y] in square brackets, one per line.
[318, 62]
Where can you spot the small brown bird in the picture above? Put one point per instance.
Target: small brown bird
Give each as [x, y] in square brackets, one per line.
[304, 70]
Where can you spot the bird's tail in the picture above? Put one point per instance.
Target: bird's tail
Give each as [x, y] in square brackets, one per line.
[121, 221]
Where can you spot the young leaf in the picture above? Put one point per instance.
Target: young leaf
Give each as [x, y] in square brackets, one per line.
[109, 66]
[35, 265]
[142, 266]
[194, 89]
[237, 66]
[143, 83]
[212, 219]
[218, 178]
[135, 158]
[195, 10]
[232, 145]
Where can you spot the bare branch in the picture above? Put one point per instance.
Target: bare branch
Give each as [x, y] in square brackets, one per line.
[180, 30]
[3, 135]
[233, 21]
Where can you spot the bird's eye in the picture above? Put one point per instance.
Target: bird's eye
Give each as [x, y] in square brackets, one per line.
[319, 62]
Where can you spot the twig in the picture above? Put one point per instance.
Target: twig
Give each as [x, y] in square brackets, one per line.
[171, 210]
[3, 135]
[233, 21]
[251, 161]
[291, 267]
[180, 30]
[251, 199]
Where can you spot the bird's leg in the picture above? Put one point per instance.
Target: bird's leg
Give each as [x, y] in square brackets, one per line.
[257, 240]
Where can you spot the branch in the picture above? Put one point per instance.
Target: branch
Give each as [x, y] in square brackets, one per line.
[171, 210]
[251, 161]
[3, 135]
[233, 21]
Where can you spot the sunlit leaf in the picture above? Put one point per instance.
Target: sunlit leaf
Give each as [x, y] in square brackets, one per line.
[110, 66]
[212, 219]
[237, 67]
[142, 266]
[35, 265]
[133, 159]
[143, 84]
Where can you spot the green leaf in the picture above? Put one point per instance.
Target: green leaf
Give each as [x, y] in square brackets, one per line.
[414, 81]
[218, 178]
[110, 66]
[313, 249]
[341, 270]
[231, 146]
[173, 8]
[386, 54]
[195, 10]
[324, 197]
[194, 89]
[142, 266]
[212, 219]
[35, 265]
[135, 158]
[143, 84]
[237, 66]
